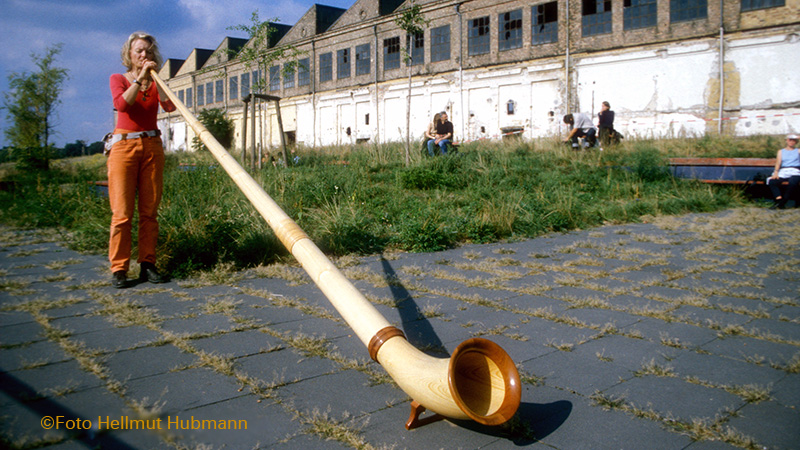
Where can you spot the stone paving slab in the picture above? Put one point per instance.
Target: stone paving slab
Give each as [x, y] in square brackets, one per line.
[679, 333]
[35, 354]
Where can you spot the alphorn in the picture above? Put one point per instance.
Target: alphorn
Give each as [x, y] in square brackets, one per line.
[479, 381]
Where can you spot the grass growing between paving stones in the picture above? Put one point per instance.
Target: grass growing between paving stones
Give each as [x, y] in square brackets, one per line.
[698, 429]
[125, 312]
[345, 431]
[297, 303]
[489, 191]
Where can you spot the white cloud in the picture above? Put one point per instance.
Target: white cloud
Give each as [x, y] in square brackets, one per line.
[93, 32]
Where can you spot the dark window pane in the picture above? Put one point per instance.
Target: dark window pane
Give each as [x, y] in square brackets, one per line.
[686, 10]
[750, 5]
[325, 67]
[343, 63]
[362, 59]
[544, 23]
[478, 39]
[440, 43]
[391, 53]
[509, 26]
[639, 14]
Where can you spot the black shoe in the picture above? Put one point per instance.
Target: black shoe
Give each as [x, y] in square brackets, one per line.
[119, 279]
[148, 272]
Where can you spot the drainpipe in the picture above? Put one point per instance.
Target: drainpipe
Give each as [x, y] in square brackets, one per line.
[461, 69]
[721, 66]
[377, 105]
[313, 75]
[566, 62]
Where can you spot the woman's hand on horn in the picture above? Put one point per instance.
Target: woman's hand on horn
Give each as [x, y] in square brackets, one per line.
[144, 74]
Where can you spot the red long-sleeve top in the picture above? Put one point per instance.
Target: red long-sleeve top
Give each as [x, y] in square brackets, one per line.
[142, 114]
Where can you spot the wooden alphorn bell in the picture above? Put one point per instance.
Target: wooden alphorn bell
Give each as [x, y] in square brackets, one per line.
[479, 381]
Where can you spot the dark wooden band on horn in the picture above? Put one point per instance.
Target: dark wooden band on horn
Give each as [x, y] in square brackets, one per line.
[380, 337]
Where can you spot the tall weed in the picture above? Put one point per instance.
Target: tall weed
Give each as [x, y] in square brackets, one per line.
[364, 199]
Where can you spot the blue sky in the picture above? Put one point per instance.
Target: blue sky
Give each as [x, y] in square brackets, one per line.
[92, 33]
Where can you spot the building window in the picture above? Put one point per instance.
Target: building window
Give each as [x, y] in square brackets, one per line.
[209, 93]
[325, 67]
[750, 5]
[440, 43]
[274, 78]
[180, 96]
[362, 59]
[418, 49]
[233, 88]
[391, 53]
[245, 82]
[596, 17]
[189, 100]
[343, 63]
[544, 23]
[288, 76]
[219, 91]
[478, 39]
[638, 14]
[686, 10]
[201, 95]
[509, 27]
[303, 72]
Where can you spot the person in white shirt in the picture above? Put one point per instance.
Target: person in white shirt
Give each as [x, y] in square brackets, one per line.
[582, 127]
[787, 169]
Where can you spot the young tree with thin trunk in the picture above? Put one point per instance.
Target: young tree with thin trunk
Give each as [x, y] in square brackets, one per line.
[262, 53]
[413, 22]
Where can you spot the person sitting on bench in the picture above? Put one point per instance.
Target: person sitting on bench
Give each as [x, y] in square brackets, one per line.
[443, 137]
[787, 168]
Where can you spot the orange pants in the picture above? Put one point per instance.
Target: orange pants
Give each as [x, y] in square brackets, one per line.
[134, 165]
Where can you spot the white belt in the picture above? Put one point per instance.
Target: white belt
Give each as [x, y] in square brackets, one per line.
[139, 134]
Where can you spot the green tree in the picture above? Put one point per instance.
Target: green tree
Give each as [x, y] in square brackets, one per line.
[413, 22]
[78, 148]
[31, 106]
[261, 52]
[218, 125]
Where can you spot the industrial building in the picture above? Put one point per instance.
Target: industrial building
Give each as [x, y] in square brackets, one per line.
[669, 68]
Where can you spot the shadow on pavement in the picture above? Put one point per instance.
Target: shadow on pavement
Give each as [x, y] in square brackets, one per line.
[416, 327]
[48, 408]
[532, 423]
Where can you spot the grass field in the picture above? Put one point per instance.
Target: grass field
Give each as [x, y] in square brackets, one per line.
[364, 199]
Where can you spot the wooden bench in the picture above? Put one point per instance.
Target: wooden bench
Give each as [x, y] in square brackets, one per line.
[723, 170]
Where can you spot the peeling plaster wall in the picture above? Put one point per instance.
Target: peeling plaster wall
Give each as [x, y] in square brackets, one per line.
[666, 91]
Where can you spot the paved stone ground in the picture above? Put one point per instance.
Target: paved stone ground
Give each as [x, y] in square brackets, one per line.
[680, 333]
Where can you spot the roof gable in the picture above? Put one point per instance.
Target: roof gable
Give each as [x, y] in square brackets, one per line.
[170, 68]
[226, 51]
[315, 21]
[195, 61]
[364, 10]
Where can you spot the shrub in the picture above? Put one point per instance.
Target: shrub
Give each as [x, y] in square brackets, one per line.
[218, 124]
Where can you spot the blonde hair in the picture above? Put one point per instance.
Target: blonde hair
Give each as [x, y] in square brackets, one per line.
[126, 49]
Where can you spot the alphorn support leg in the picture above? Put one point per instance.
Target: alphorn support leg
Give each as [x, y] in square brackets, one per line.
[415, 422]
